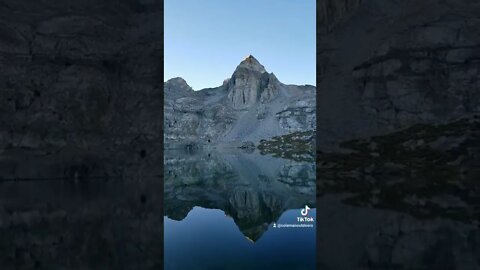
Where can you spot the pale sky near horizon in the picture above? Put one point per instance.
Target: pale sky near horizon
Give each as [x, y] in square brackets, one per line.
[206, 39]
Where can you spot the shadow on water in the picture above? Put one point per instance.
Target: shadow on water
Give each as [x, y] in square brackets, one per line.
[378, 238]
[405, 200]
[84, 224]
[220, 209]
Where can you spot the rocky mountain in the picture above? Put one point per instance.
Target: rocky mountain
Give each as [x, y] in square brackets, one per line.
[250, 106]
[399, 100]
[79, 83]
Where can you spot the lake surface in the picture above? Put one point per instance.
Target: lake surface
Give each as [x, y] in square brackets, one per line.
[220, 209]
[225, 211]
[88, 224]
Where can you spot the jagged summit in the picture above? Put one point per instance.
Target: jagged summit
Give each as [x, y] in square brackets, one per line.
[250, 58]
[250, 84]
[251, 63]
[177, 80]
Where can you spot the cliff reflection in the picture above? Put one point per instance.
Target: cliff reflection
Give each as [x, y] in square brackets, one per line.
[253, 189]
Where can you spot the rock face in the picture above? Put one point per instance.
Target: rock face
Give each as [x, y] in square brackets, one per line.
[331, 13]
[251, 105]
[428, 74]
[398, 94]
[80, 74]
[177, 87]
[387, 65]
[80, 99]
[251, 84]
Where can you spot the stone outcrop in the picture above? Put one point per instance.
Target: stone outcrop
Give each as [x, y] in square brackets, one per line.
[251, 105]
[177, 87]
[250, 84]
[427, 171]
[298, 116]
[298, 146]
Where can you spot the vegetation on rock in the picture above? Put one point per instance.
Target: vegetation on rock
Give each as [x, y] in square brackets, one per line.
[426, 170]
[298, 146]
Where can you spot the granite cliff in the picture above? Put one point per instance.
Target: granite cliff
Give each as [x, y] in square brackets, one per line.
[80, 100]
[80, 87]
[250, 106]
[398, 100]
[388, 65]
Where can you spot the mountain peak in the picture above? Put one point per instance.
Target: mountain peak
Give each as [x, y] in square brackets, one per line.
[251, 83]
[252, 63]
[177, 84]
[177, 80]
[250, 58]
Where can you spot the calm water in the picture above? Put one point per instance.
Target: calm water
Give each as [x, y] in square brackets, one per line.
[89, 224]
[221, 209]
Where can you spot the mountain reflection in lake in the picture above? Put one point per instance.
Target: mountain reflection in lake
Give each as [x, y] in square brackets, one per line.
[220, 210]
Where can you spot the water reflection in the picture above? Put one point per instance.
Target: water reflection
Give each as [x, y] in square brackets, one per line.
[220, 208]
[373, 238]
[391, 218]
[88, 224]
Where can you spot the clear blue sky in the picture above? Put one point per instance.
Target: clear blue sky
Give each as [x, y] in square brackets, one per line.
[206, 39]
